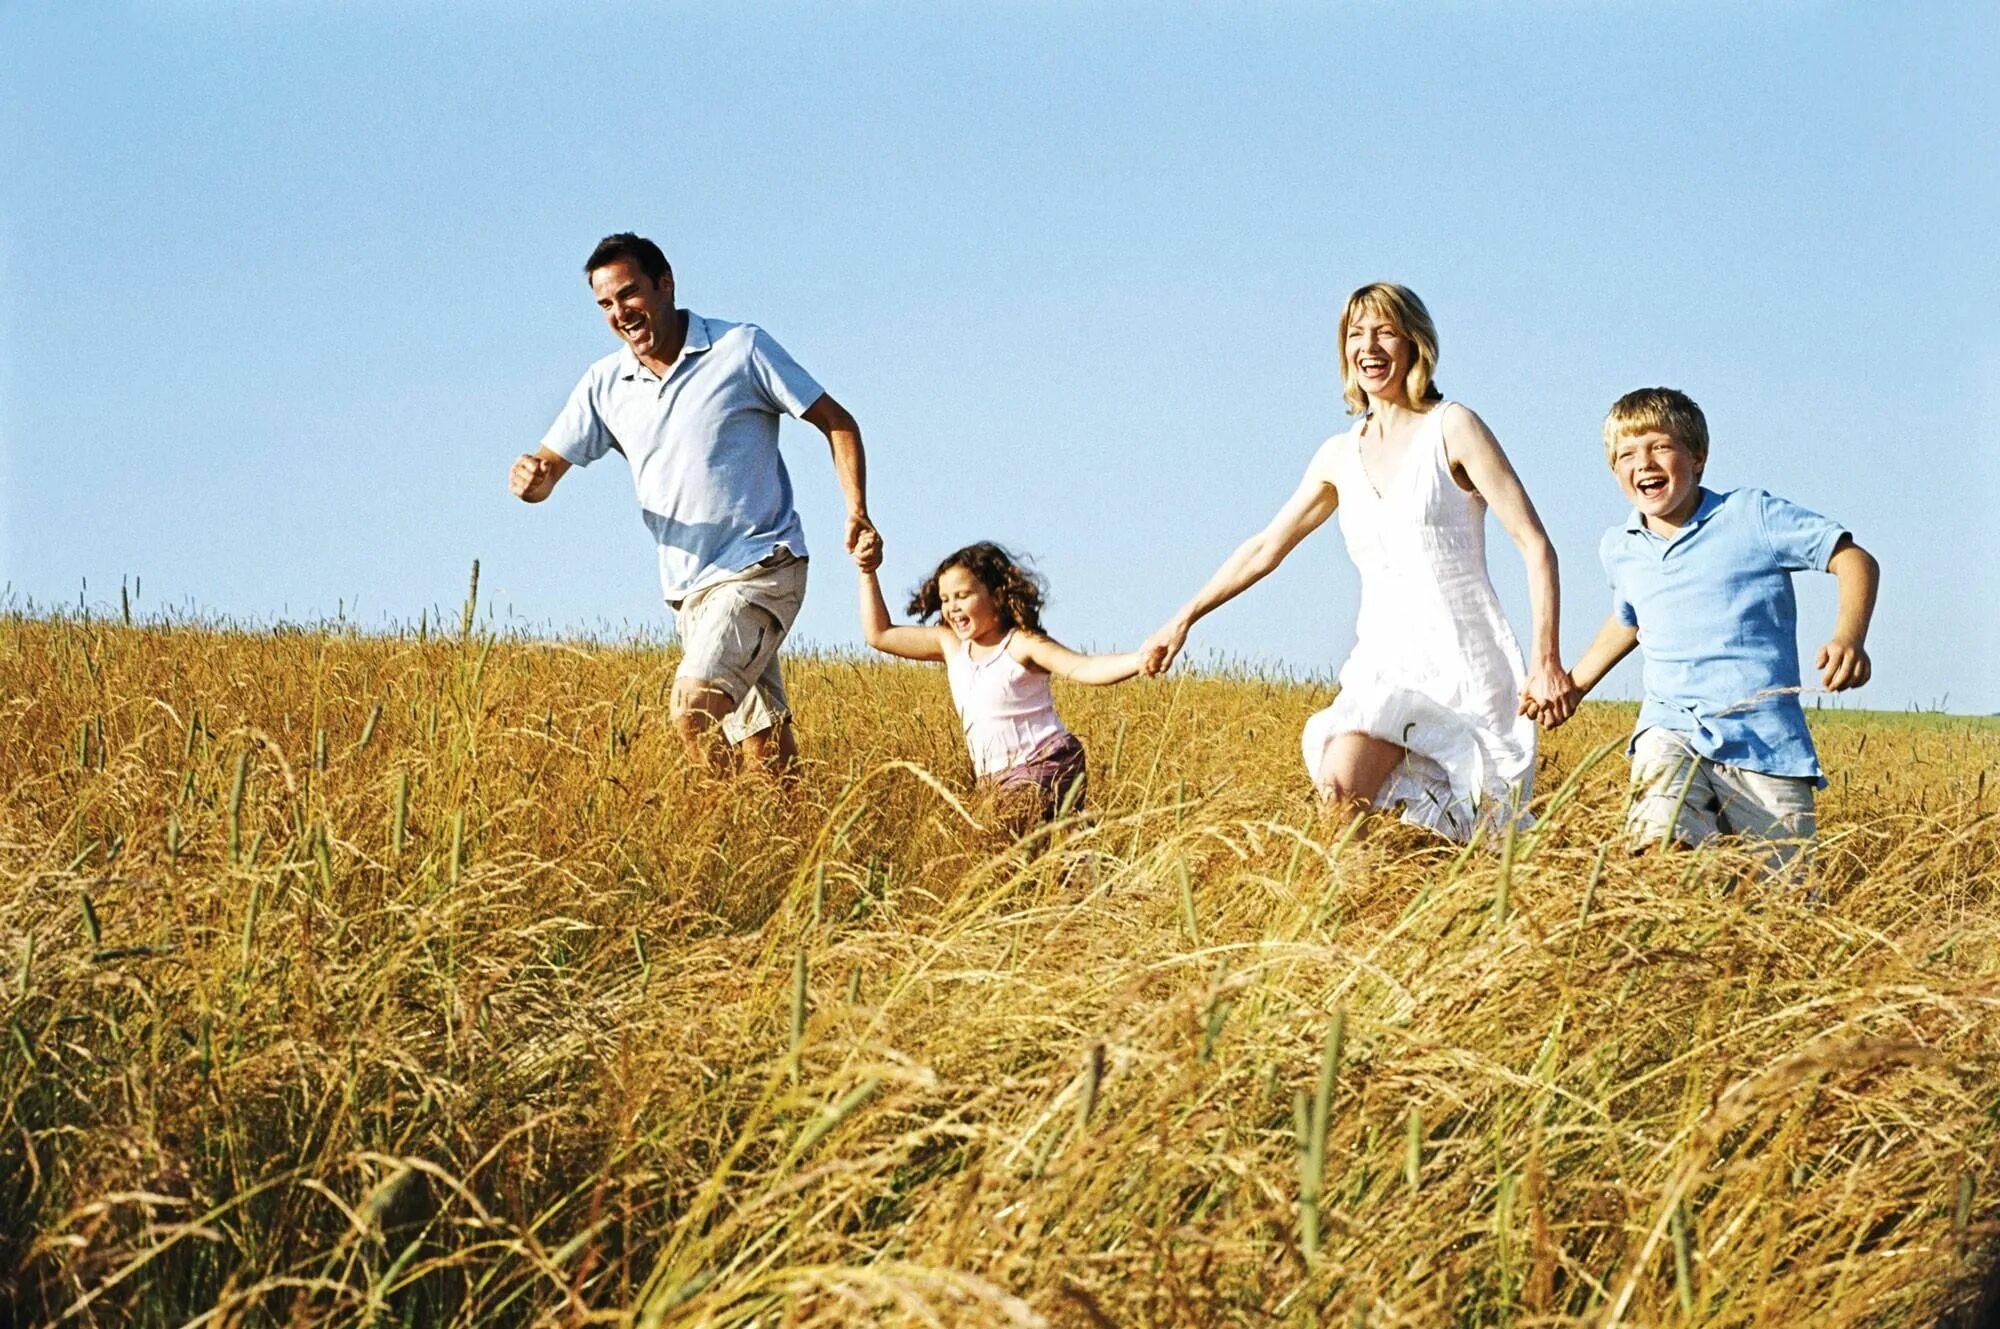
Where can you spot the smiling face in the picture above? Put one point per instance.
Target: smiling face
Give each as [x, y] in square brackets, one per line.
[1379, 355]
[1660, 476]
[968, 608]
[640, 311]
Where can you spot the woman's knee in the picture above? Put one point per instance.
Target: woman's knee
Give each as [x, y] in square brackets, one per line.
[1338, 792]
[1341, 785]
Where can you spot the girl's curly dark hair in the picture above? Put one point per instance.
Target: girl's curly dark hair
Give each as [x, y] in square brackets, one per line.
[1017, 592]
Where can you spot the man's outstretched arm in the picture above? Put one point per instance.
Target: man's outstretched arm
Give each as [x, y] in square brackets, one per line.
[535, 474]
[850, 464]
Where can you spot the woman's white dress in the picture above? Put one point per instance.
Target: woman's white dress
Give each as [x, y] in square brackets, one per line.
[1435, 668]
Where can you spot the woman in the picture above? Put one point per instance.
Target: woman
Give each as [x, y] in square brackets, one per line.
[1434, 702]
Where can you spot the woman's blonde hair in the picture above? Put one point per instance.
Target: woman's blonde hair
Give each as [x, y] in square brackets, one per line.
[1400, 305]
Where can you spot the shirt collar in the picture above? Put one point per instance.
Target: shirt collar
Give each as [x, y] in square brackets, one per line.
[697, 340]
[1710, 500]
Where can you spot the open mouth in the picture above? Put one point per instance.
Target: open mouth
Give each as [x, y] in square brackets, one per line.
[1373, 367]
[1651, 487]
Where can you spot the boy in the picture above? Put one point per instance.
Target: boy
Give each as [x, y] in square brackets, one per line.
[1702, 583]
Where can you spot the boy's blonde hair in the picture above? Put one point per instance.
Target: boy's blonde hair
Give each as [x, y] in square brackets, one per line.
[1666, 411]
[1400, 305]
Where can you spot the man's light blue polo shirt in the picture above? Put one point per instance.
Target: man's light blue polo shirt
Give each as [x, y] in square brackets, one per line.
[703, 446]
[1718, 625]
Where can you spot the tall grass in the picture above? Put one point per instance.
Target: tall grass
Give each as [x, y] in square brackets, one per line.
[365, 981]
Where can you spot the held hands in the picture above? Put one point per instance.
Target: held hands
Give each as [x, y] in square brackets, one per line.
[532, 478]
[864, 542]
[1159, 650]
[1550, 696]
[1843, 664]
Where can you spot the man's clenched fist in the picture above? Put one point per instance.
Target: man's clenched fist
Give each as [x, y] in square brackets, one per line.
[533, 477]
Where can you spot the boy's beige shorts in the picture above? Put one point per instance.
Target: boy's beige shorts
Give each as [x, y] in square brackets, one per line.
[730, 633]
[1684, 797]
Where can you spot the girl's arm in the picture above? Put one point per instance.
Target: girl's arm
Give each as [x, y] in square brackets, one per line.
[1550, 696]
[1051, 656]
[1843, 662]
[1304, 512]
[1613, 642]
[910, 643]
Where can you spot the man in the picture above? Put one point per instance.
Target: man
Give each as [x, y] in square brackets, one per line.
[692, 404]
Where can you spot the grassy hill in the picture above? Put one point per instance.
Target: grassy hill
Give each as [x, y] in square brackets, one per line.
[361, 980]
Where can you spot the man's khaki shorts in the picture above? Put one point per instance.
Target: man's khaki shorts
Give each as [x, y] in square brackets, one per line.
[730, 632]
[1684, 797]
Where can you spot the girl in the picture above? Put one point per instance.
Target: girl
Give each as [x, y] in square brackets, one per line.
[998, 661]
[1432, 705]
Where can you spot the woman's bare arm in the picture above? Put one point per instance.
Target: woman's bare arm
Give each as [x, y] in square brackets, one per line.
[1471, 447]
[1303, 513]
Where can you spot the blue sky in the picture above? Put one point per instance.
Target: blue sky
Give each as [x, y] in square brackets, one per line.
[285, 287]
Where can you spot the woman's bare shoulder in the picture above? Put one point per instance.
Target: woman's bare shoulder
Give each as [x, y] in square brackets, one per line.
[1326, 458]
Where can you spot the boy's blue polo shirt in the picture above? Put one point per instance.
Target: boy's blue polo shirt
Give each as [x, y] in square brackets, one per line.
[702, 444]
[1718, 625]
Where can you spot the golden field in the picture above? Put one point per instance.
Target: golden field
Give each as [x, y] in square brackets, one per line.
[415, 980]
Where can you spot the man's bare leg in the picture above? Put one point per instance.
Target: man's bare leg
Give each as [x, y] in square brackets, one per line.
[776, 749]
[698, 709]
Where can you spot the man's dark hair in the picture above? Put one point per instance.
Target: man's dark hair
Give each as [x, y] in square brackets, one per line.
[634, 248]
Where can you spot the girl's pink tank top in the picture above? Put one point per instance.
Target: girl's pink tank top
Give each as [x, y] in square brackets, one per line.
[1005, 707]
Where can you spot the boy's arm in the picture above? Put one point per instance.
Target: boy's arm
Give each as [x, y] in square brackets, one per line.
[1843, 662]
[1051, 655]
[1613, 642]
[909, 643]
